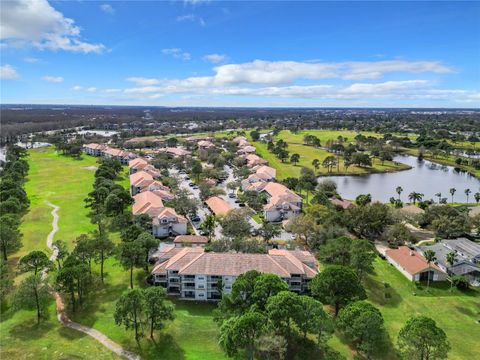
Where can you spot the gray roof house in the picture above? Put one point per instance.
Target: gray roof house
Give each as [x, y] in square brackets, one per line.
[468, 258]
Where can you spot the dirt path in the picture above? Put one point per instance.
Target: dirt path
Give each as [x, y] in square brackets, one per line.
[62, 315]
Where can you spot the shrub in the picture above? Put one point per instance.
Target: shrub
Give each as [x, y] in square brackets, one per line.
[460, 282]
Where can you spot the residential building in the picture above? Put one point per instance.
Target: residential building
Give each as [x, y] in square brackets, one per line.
[110, 153]
[146, 202]
[192, 273]
[218, 206]
[263, 174]
[245, 150]
[345, 204]
[137, 165]
[282, 204]
[205, 148]
[94, 149]
[468, 258]
[166, 222]
[139, 181]
[413, 265]
[175, 152]
[255, 160]
[190, 240]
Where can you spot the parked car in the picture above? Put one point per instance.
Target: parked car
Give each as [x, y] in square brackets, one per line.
[231, 195]
[237, 201]
[241, 204]
[191, 184]
[195, 218]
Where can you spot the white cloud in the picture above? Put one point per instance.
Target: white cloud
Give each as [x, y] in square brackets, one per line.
[8, 72]
[285, 72]
[91, 89]
[37, 23]
[192, 18]
[52, 79]
[177, 53]
[107, 8]
[77, 88]
[31, 60]
[141, 81]
[215, 58]
[195, 2]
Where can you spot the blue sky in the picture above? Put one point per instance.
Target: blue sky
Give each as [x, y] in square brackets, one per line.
[207, 53]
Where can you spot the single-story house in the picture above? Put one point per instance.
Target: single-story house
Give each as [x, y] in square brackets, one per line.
[468, 258]
[413, 265]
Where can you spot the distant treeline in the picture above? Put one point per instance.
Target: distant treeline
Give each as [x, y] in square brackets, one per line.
[142, 121]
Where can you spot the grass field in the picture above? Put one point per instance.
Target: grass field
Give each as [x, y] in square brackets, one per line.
[66, 182]
[309, 153]
[455, 312]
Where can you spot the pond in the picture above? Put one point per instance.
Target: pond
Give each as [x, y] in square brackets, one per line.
[425, 177]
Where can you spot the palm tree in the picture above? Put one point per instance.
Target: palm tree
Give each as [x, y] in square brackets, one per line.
[452, 192]
[439, 195]
[316, 164]
[209, 225]
[451, 258]
[414, 196]
[429, 255]
[468, 192]
[477, 197]
[399, 190]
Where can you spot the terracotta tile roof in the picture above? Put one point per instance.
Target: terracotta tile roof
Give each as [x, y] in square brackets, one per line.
[266, 171]
[218, 205]
[247, 149]
[254, 160]
[276, 190]
[163, 194]
[95, 146]
[346, 204]
[169, 213]
[140, 176]
[193, 261]
[145, 201]
[410, 260]
[191, 239]
[205, 144]
[239, 139]
[175, 151]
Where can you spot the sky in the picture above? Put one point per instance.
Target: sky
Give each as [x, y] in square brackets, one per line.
[243, 53]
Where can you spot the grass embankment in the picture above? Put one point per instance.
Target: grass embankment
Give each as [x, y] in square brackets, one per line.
[309, 153]
[66, 182]
[455, 312]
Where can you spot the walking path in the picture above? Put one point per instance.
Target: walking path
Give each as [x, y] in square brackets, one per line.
[62, 315]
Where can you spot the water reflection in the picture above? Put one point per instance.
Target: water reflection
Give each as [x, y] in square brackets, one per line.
[425, 177]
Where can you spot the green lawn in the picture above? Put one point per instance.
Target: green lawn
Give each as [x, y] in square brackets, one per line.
[455, 312]
[309, 153]
[64, 182]
[192, 335]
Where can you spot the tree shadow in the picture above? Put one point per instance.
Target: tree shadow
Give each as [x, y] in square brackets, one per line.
[381, 293]
[163, 347]
[29, 329]
[70, 334]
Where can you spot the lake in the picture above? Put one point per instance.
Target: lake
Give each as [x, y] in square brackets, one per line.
[425, 177]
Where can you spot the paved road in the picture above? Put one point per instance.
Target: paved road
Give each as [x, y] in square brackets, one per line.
[62, 315]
